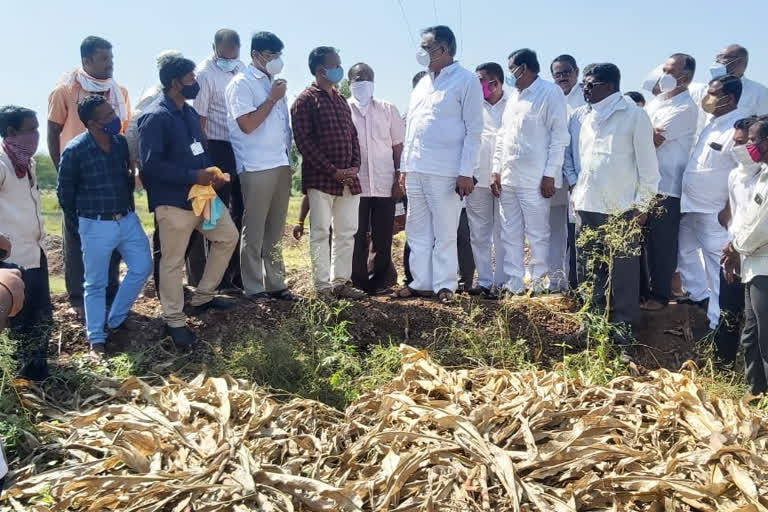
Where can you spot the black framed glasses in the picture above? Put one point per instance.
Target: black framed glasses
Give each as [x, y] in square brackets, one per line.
[591, 85]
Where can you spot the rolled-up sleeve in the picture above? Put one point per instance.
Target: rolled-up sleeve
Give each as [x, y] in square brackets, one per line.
[155, 163]
[472, 115]
[646, 160]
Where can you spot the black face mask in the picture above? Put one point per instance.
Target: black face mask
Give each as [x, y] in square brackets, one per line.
[190, 92]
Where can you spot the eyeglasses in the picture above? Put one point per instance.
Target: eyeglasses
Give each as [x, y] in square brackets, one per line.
[562, 74]
[591, 85]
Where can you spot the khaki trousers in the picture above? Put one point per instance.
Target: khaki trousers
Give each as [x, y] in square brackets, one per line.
[265, 198]
[176, 226]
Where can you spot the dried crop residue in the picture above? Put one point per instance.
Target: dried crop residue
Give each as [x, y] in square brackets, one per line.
[433, 439]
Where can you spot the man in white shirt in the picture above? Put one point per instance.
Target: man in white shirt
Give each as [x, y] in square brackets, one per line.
[674, 117]
[562, 238]
[442, 142]
[260, 131]
[213, 75]
[618, 177]
[483, 209]
[705, 195]
[528, 168]
[733, 60]
[380, 131]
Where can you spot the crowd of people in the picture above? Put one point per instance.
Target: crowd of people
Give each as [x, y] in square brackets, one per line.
[484, 164]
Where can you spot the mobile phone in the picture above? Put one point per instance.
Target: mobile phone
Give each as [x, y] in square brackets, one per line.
[716, 146]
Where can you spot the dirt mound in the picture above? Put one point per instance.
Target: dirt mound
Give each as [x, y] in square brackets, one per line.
[54, 246]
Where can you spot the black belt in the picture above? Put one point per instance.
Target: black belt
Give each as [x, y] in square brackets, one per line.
[108, 216]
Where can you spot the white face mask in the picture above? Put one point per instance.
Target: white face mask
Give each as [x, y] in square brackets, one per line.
[667, 83]
[422, 57]
[653, 77]
[362, 92]
[742, 156]
[275, 66]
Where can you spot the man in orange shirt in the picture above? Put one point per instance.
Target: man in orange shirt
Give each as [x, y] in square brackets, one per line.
[94, 77]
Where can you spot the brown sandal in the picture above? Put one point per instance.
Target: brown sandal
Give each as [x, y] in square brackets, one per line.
[404, 293]
[445, 295]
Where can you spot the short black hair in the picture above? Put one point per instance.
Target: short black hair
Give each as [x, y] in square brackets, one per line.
[605, 72]
[266, 42]
[317, 56]
[173, 68]
[492, 68]
[417, 78]
[745, 123]
[636, 97]
[443, 35]
[525, 56]
[689, 63]
[87, 105]
[91, 44]
[564, 58]
[762, 127]
[12, 116]
[226, 35]
[731, 85]
[360, 65]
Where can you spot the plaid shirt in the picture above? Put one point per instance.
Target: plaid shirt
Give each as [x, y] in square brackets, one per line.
[327, 139]
[92, 182]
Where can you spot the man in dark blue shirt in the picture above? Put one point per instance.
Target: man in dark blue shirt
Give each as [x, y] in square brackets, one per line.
[173, 159]
[95, 185]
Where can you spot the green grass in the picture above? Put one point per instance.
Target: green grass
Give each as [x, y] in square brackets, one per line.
[52, 212]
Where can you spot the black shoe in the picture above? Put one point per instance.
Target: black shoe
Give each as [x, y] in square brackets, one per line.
[217, 303]
[36, 370]
[183, 337]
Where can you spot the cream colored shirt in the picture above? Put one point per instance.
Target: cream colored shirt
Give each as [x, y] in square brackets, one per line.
[21, 218]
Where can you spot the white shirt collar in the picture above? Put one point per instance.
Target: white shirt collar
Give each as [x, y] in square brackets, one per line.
[257, 73]
[447, 70]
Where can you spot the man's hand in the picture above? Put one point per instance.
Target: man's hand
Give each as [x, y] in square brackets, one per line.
[220, 180]
[5, 247]
[278, 90]
[547, 187]
[724, 217]
[398, 225]
[298, 231]
[731, 262]
[640, 217]
[402, 184]
[397, 191]
[658, 136]
[496, 185]
[10, 280]
[465, 186]
[205, 176]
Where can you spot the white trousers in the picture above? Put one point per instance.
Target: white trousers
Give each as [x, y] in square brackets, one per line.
[484, 216]
[702, 231]
[332, 267]
[525, 215]
[430, 228]
[558, 248]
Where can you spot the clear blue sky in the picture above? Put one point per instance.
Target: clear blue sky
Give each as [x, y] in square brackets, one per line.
[42, 37]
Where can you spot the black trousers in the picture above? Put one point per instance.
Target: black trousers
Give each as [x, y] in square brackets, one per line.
[223, 157]
[464, 248]
[376, 216]
[573, 280]
[658, 259]
[31, 328]
[755, 335]
[74, 270]
[624, 275]
[731, 318]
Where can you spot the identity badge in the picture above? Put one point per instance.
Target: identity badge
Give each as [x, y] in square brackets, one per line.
[197, 148]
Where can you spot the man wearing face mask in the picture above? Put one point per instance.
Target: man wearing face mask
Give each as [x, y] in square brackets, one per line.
[380, 132]
[95, 184]
[173, 159]
[483, 210]
[618, 176]
[674, 117]
[741, 184]
[704, 196]
[22, 224]
[327, 139]
[442, 143]
[527, 169]
[733, 60]
[213, 75]
[261, 136]
[94, 77]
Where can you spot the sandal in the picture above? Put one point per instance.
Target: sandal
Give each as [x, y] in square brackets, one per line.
[260, 298]
[285, 295]
[653, 306]
[406, 292]
[445, 295]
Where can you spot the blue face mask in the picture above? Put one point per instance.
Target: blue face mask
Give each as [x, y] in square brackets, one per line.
[113, 127]
[511, 79]
[334, 75]
[226, 65]
[717, 70]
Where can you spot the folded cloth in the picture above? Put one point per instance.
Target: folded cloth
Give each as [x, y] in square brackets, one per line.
[214, 212]
[201, 197]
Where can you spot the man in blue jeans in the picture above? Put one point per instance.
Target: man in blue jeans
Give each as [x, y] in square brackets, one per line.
[95, 185]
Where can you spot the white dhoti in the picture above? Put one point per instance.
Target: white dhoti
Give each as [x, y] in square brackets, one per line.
[525, 215]
[430, 228]
[484, 215]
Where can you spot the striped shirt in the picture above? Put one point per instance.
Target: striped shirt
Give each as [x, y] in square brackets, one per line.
[210, 102]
